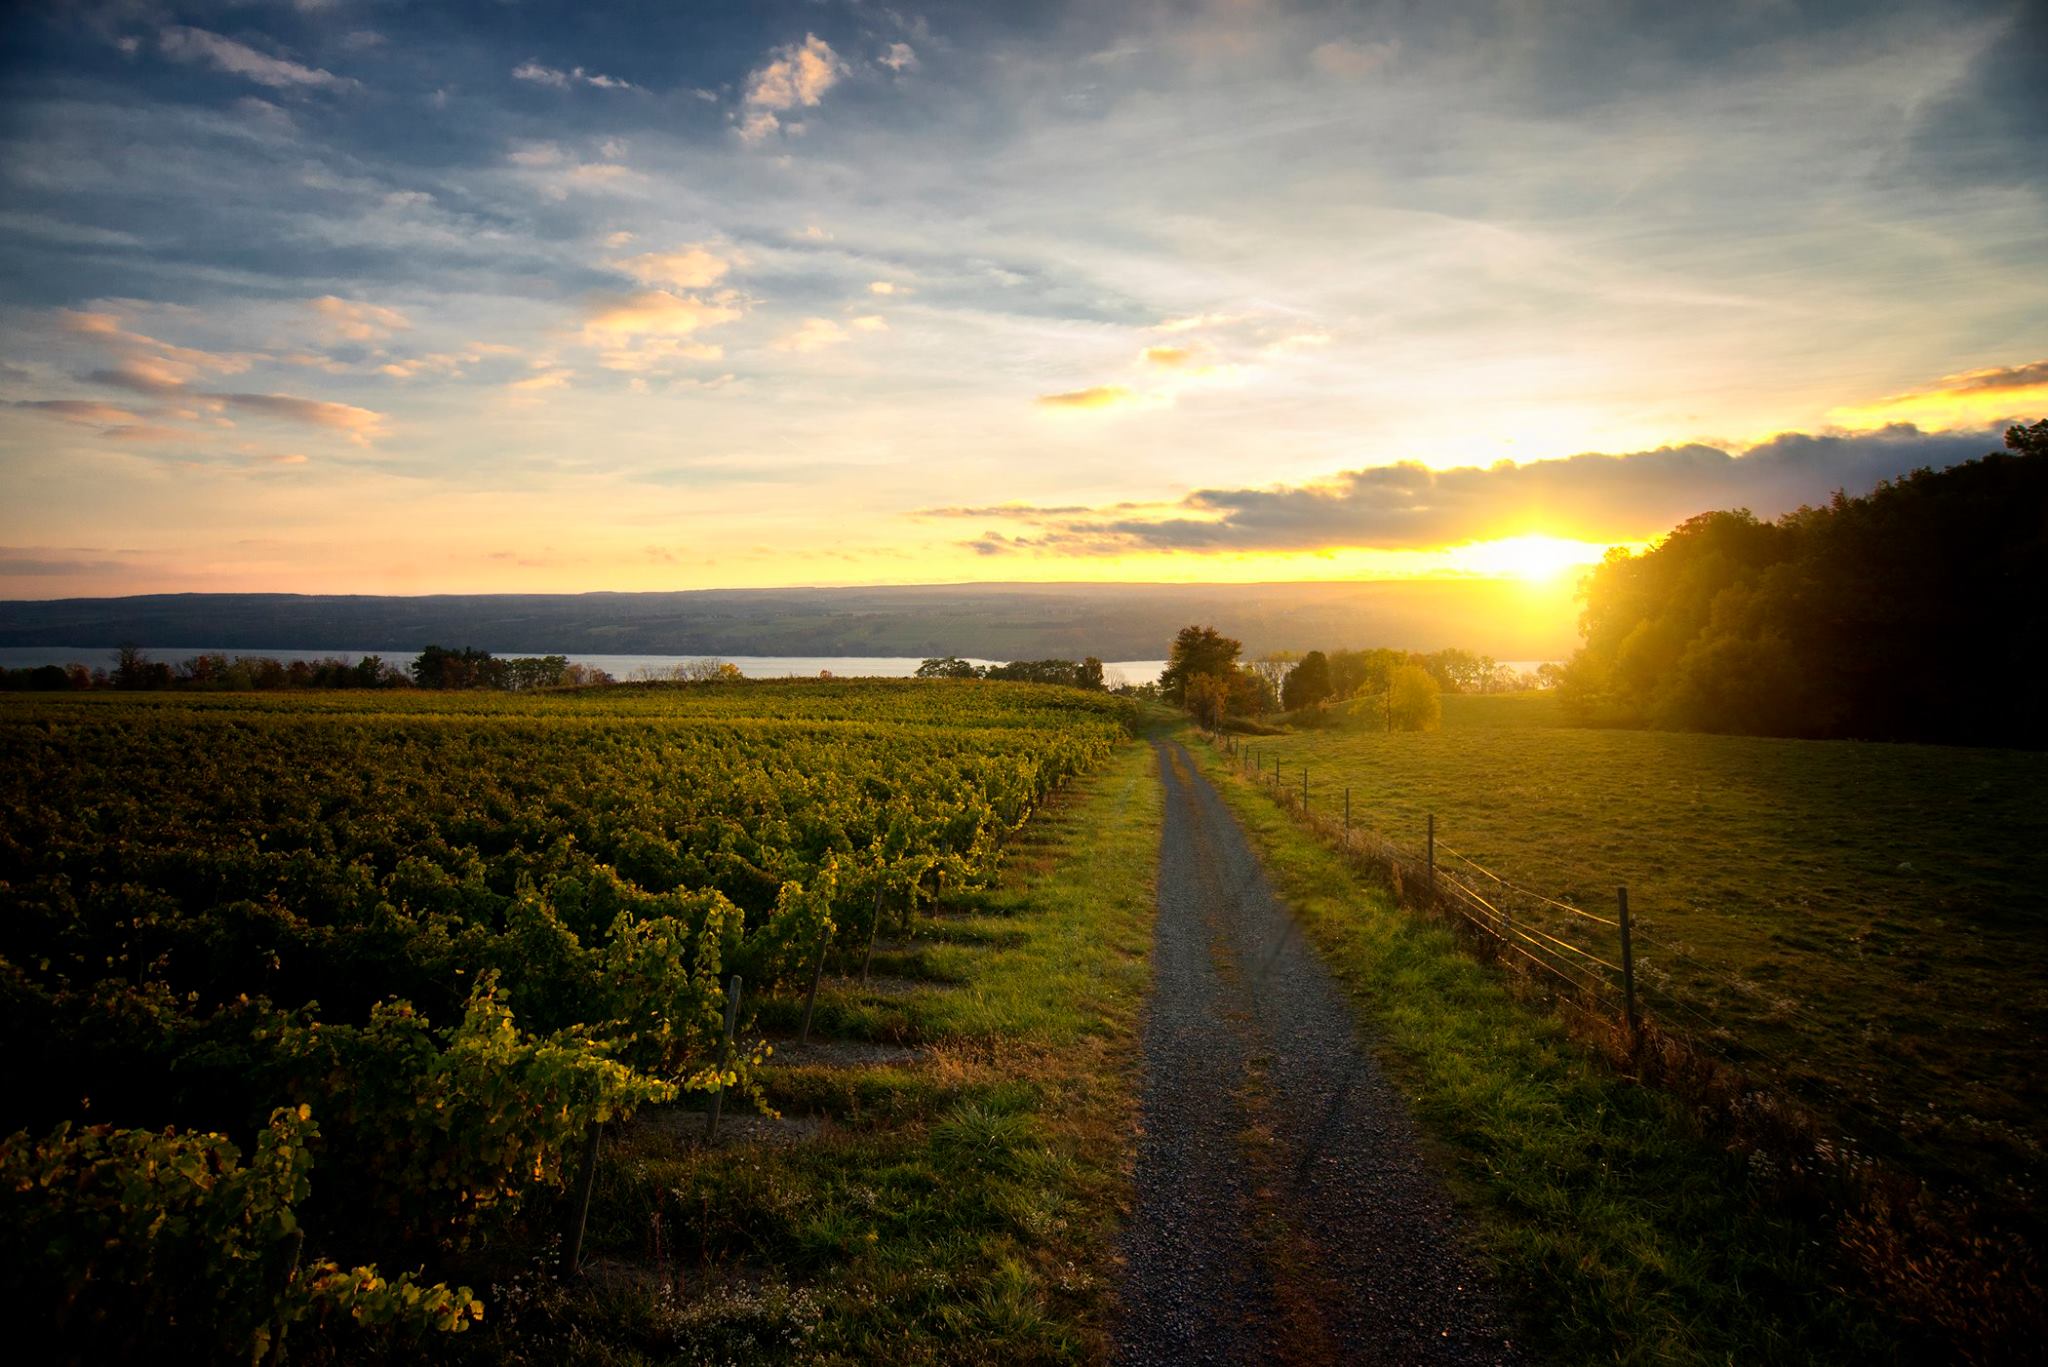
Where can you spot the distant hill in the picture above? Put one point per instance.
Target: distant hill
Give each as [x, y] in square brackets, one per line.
[1509, 621]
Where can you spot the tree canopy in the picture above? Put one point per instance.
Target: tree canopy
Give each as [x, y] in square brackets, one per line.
[1308, 683]
[1197, 650]
[1913, 612]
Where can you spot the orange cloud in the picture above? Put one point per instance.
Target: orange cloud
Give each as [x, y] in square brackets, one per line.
[358, 322]
[360, 425]
[796, 77]
[813, 335]
[1970, 398]
[1101, 396]
[656, 313]
[688, 268]
[84, 412]
[1168, 355]
[546, 379]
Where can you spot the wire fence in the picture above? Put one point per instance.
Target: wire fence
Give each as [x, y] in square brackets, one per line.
[1594, 962]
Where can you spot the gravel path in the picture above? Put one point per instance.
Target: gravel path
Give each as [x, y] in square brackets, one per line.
[1284, 1212]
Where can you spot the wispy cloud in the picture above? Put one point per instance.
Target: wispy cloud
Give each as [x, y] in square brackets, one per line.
[561, 80]
[84, 412]
[358, 424]
[356, 321]
[1098, 396]
[1351, 57]
[813, 334]
[225, 54]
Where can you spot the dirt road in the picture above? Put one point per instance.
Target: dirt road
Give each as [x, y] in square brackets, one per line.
[1284, 1212]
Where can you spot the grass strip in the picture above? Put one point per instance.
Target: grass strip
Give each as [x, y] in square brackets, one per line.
[961, 1207]
[1623, 1234]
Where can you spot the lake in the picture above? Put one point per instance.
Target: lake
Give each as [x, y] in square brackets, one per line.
[618, 666]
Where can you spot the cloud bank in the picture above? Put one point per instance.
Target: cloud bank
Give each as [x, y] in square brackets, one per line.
[1412, 507]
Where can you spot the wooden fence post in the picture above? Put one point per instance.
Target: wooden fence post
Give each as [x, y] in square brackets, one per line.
[573, 1262]
[803, 1036]
[732, 1020]
[1430, 849]
[1628, 971]
[874, 925]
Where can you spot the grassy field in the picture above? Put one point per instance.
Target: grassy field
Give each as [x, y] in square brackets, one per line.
[957, 1201]
[1623, 1233]
[1864, 923]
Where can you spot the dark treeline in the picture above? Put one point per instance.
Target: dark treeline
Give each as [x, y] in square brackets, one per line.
[1914, 612]
[435, 667]
[1072, 673]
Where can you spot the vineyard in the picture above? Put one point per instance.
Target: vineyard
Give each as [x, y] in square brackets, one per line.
[306, 998]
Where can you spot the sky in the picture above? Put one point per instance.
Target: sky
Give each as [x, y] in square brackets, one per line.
[382, 297]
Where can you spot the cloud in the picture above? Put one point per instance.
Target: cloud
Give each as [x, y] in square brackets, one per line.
[814, 334]
[1968, 398]
[686, 268]
[562, 80]
[658, 353]
[603, 175]
[871, 322]
[448, 363]
[796, 76]
[225, 54]
[1168, 355]
[358, 424]
[881, 287]
[1101, 396]
[656, 313]
[1348, 57]
[898, 57]
[557, 378]
[1594, 496]
[535, 155]
[84, 412]
[141, 375]
[358, 322]
[144, 364]
[34, 560]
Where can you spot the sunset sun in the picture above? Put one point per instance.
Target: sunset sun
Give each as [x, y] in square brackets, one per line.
[1534, 559]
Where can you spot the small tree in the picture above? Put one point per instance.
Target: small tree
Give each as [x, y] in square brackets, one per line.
[1251, 693]
[1308, 683]
[1414, 700]
[1208, 699]
[1197, 650]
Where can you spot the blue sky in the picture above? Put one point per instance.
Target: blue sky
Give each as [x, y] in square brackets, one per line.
[344, 294]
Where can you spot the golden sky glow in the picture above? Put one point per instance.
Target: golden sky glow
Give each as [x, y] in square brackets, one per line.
[703, 296]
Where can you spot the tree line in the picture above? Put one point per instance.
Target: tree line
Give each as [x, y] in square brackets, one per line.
[1072, 673]
[1914, 612]
[1398, 690]
[436, 667]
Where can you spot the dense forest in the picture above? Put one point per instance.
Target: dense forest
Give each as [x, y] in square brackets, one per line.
[1914, 612]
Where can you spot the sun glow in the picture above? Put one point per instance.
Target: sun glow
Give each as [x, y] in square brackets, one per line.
[1534, 559]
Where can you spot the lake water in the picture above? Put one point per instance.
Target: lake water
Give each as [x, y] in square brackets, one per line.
[618, 666]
